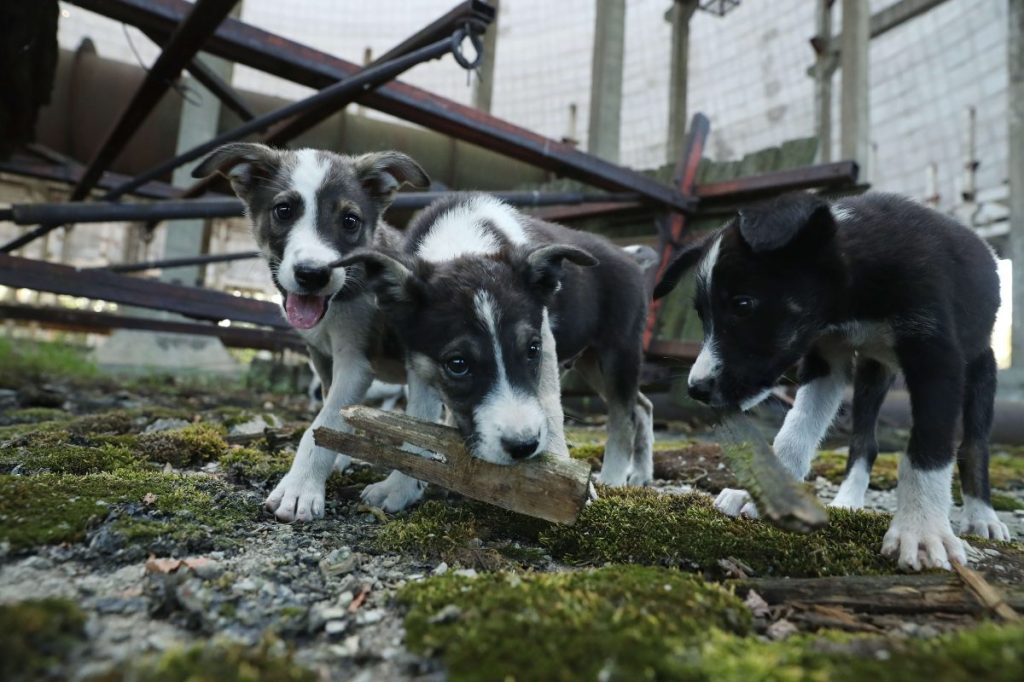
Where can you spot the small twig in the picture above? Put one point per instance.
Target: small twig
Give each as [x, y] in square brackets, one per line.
[991, 598]
[364, 592]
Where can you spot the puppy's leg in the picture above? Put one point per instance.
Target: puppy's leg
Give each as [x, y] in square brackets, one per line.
[550, 391]
[300, 494]
[398, 491]
[920, 535]
[643, 442]
[620, 375]
[870, 384]
[822, 380]
[972, 458]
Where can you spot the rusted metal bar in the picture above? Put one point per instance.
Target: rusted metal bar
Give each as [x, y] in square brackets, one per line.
[193, 302]
[826, 175]
[71, 319]
[686, 180]
[100, 212]
[273, 54]
[169, 263]
[336, 96]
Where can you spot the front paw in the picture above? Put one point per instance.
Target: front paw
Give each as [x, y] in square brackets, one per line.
[394, 493]
[733, 502]
[638, 478]
[981, 520]
[918, 543]
[296, 498]
[612, 478]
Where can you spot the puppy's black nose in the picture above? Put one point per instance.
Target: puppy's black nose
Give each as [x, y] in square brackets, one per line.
[519, 449]
[312, 277]
[701, 390]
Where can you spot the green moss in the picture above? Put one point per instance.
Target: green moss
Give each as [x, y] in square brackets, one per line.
[185, 510]
[22, 362]
[432, 529]
[832, 466]
[617, 622]
[643, 526]
[988, 652]
[1006, 502]
[48, 455]
[192, 445]
[34, 415]
[250, 465]
[268, 662]
[37, 636]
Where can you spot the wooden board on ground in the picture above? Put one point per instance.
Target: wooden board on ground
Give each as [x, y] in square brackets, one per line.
[544, 486]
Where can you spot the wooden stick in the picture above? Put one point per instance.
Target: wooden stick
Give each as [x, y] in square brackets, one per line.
[899, 594]
[985, 593]
[544, 486]
[780, 499]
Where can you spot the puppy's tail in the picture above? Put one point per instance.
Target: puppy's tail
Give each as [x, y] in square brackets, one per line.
[683, 261]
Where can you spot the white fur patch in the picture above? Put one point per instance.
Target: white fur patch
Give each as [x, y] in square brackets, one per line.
[707, 264]
[304, 244]
[842, 213]
[920, 535]
[394, 493]
[851, 492]
[755, 400]
[979, 518]
[734, 502]
[504, 413]
[807, 421]
[466, 229]
[708, 364]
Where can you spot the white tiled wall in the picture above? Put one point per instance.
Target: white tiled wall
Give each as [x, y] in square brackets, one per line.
[747, 72]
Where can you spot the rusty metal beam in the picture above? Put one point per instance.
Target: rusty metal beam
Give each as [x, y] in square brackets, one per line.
[272, 54]
[74, 320]
[203, 304]
[825, 176]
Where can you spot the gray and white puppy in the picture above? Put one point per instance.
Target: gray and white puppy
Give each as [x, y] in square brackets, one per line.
[488, 301]
[309, 208]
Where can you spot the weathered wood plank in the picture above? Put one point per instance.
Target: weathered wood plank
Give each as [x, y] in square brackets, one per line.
[544, 487]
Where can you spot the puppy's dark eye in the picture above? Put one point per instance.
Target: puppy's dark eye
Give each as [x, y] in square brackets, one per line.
[351, 222]
[456, 366]
[283, 212]
[533, 350]
[743, 305]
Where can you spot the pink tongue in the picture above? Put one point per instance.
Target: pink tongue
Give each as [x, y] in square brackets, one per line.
[304, 312]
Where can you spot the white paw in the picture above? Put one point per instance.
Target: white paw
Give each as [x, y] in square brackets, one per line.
[733, 502]
[612, 478]
[296, 498]
[846, 499]
[981, 520]
[918, 543]
[638, 477]
[394, 493]
[341, 463]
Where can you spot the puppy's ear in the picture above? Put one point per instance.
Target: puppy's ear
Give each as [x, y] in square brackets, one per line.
[791, 221]
[543, 268]
[393, 281]
[681, 263]
[382, 173]
[245, 164]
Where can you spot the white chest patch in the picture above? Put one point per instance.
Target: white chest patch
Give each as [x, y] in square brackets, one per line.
[475, 227]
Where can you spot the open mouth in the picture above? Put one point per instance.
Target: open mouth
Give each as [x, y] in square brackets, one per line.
[304, 311]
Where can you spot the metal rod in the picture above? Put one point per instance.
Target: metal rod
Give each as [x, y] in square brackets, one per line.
[339, 95]
[92, 321]
[194, 302]
[101, 212]
[183, 44]
[169, 263]
[273, 54]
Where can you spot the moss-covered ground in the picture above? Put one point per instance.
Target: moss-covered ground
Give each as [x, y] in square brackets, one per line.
[634, 590]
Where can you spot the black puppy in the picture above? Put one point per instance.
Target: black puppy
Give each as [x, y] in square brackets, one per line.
[869, 285]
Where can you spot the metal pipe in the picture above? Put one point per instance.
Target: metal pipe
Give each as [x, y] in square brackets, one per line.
[339, 95]
[169, 263]
[101, 212]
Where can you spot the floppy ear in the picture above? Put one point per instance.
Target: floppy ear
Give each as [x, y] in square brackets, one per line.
[543, 267]
[243, 163]
[391, 280]
[683, 261]
[382, 173]
[792, 220]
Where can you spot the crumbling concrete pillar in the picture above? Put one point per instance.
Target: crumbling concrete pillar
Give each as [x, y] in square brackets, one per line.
[606, 79]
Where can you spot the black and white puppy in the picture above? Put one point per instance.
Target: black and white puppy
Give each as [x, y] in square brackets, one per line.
[867, 286]
[308, 209]
[488, 302]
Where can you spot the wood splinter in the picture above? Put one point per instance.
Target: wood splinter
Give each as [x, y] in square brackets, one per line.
[545, 487]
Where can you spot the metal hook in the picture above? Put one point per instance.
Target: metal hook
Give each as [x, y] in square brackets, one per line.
[460, 35]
